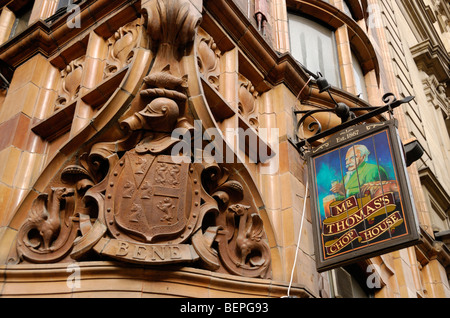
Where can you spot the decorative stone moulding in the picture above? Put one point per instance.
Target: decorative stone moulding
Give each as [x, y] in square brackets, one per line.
[114, 191]
[208, 58]
[121, 47]
[247, 101]
[71, 77]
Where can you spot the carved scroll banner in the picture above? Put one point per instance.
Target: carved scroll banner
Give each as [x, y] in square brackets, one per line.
[361, 200]
[150, 254]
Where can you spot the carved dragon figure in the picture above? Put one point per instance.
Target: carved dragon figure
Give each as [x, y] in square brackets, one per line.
[250, 233]
[44, 216]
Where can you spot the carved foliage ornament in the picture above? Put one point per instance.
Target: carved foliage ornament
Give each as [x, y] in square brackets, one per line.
[247, 101]
[120, 47]
[70, 85]
[132, 201]
[208, 58]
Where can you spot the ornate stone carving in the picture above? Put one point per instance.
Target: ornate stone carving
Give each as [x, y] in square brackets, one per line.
[131, 199]
[171, 25]
[120, 47]
[71, 78]
[45, 235]
[436, 93]
[247, 101]
[150, 199]
[208, 58]
[261, 14]
[242, 244]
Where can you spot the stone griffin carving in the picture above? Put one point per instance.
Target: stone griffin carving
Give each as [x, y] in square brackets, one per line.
[44, 217]
[249, 234]
[240, 234]
[49, 215]
[131, 199]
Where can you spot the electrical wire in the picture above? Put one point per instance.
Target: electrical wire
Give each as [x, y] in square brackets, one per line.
[299, 239]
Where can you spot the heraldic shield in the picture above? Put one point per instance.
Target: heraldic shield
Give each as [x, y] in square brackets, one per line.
[149, 199]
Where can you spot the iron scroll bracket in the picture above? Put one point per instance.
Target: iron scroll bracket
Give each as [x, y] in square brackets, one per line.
[347, 116]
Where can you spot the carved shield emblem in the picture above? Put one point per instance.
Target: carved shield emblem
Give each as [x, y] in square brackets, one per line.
[151, 199]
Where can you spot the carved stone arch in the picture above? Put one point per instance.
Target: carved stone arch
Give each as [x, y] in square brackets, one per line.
[124, 196]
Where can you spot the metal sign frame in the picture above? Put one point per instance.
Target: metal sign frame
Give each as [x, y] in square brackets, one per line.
[373, 212]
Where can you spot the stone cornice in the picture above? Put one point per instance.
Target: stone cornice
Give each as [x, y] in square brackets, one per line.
[137, 281]
[430, 249]
[428, 178]
[432, 59]
[430, 53]
[49, 39]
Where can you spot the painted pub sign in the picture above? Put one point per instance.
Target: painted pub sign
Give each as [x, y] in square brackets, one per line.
[361, 203]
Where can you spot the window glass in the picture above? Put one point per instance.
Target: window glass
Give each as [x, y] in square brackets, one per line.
[22, 19]
[314, 46]
[63, 4]
[360, 83]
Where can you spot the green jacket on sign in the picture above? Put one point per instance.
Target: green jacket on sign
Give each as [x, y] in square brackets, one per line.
[366, 172]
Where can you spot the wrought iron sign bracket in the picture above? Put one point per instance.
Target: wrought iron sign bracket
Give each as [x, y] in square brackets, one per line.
[347, 116]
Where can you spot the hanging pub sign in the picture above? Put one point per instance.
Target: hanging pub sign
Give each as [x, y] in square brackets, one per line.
[361, 202]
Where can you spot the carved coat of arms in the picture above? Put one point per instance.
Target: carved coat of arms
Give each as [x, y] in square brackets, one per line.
[149, 199]
[125, 196]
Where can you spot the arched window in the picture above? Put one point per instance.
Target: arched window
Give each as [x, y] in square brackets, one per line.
[360, 83]
[337, 50]
[314, 46]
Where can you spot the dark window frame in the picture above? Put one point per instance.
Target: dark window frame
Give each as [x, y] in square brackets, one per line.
[22, 20]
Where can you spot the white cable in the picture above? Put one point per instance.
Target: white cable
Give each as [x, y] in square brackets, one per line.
[299, 237]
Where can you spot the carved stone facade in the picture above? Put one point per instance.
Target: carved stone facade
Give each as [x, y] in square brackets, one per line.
[125, 196]
[154, 136]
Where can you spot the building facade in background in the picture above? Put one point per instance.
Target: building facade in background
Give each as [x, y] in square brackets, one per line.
[148, 147]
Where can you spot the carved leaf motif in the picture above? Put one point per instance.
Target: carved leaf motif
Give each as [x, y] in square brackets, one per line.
[171, 21]
[120, 47]
[209, 58]
[247, 101]
[70, 83]
[171, 25]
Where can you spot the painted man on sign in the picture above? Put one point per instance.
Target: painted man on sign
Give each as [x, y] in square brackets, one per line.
[359, 172]
[358, 195]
